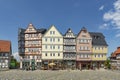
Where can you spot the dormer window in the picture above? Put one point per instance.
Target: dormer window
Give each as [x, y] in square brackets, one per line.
[96, 37]
[83, 35]
[30, 29]
[50, 32]
[53, 32]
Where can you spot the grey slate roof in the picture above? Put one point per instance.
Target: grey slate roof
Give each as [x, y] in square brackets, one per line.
[42, 30]
[21, 31]
[98, 39]
[68, 32]
[83, 28]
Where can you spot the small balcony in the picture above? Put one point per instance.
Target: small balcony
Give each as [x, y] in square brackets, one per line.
[68, 58]
[69, 43]
[34, 38]
[71, 50]
[33, 52]
[33, 46]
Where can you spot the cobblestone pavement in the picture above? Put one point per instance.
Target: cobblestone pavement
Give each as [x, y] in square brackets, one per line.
[60, 75]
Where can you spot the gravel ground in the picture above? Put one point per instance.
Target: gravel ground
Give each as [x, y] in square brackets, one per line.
[60, 75]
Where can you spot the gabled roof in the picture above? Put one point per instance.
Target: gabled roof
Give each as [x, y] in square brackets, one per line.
[82, 29]
[5, 46]
[116, 52]
[69, 31]
[41, 30]
[98, 39]
[55, 28]
[30, 25]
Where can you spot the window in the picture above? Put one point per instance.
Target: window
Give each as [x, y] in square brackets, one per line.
[22, 50]
[3, 54]
[81, 47]
[81, 55]
[95, 55]
[28, 57]
[53, 54]
[53, 32]
[88, 41]
[6, 54]
[45, 54]
[32, 35]
[87, 48]
[46, 39]
[98, 55]
[102, 48]
[58, 47]
[58, 54]
[69, 55]
[33, 57]
[50, 54]
[64, 55]
[37, 57]
[30, 29]
[50, 32]
[50, 46]
[83, 35]
[81, 40]
[54, 47]
[29, 35]
[45, 46]
[58, 39]
[85, 41]
[6, 61]
[102, 55]
[98, 48]
[87, 56]
[53, 39]
[73, 47]
[95, 48]
[50, 39]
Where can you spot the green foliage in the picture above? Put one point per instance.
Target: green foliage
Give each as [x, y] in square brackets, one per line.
[107, 64]
[14, 64]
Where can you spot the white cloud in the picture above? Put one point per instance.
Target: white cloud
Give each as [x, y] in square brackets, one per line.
[104, 26]
[16, 56]
[113, 16]
[101, 8]
[117, 5]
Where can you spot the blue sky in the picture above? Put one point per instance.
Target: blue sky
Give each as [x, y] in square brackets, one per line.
[96, 15]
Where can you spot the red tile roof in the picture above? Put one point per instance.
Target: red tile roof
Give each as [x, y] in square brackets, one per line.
[5, 46]
[116, 52]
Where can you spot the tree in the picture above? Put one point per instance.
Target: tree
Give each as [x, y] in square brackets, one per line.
[107, 64]
[13, 63]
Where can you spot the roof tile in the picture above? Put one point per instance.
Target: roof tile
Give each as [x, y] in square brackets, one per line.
[5, 46]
